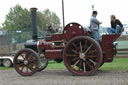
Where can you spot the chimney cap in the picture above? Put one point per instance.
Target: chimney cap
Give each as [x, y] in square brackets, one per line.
[33, 9]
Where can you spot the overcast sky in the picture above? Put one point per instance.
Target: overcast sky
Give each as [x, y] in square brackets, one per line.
[75, 10]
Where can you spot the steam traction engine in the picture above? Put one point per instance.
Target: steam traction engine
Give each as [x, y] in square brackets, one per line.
[81, 54]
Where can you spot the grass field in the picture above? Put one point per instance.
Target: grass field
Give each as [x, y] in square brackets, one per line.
[117, 64]
[4, 68]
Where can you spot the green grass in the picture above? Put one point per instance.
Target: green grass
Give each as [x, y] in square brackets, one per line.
[117, 64]
[54, 65]
[5, 68]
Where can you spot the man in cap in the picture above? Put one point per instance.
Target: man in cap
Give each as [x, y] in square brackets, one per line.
[94, 26]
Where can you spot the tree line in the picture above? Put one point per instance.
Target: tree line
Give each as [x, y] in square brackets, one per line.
[19, 18]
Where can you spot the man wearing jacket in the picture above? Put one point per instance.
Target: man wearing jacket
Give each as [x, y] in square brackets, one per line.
[94, 26]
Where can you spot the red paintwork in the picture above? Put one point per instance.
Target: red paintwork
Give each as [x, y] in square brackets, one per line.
[107, 47]
[73, 30]
[58, 37]
[53, 54]
[44, 44]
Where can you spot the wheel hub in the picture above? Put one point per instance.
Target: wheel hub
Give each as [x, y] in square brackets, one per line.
[82, 56]
[25, 62]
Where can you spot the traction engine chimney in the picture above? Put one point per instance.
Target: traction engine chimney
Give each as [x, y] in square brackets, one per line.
[34, 23]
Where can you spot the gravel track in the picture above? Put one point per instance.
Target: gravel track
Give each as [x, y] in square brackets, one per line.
[63, 77]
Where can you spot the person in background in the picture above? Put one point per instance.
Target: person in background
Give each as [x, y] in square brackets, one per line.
[116, 26]
[50, 29]
[94, 26]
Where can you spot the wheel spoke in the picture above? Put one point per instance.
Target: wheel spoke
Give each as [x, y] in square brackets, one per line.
[27, 55]
[80, 64]
[31, 60]
[92, 61]
[22, 68]
[30, 67]
[89, 64]
[21, 64]
[81, 47]
[84, 66]
[20, 61]
[74, 51]
[91, 52]
[85, 42]
[23, 57]
[90, 56]
[71, 55]
[88, 48]
[32, 63]
[74, 59]
[74, 46]
[27, 70]
[76, 62]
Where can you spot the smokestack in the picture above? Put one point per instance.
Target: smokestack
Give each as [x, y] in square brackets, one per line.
[34, 23]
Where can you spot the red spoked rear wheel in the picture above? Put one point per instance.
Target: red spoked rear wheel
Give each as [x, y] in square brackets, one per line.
[82, 55]
[26, 62]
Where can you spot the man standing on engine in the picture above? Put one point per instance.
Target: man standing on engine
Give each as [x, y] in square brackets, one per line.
[94, 26]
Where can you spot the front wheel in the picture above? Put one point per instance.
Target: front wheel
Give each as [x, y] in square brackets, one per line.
[82, 55]
[26, 62]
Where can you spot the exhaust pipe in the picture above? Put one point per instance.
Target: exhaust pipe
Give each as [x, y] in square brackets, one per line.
[34, 23]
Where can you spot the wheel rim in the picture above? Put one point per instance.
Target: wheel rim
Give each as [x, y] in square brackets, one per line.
[7, 63]
[26, 62]
[43, 62]
[82, 56]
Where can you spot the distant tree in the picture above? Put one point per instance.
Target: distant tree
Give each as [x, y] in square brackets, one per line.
[50, 18]
[55, 20]
[17, 19]
[20, 19]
